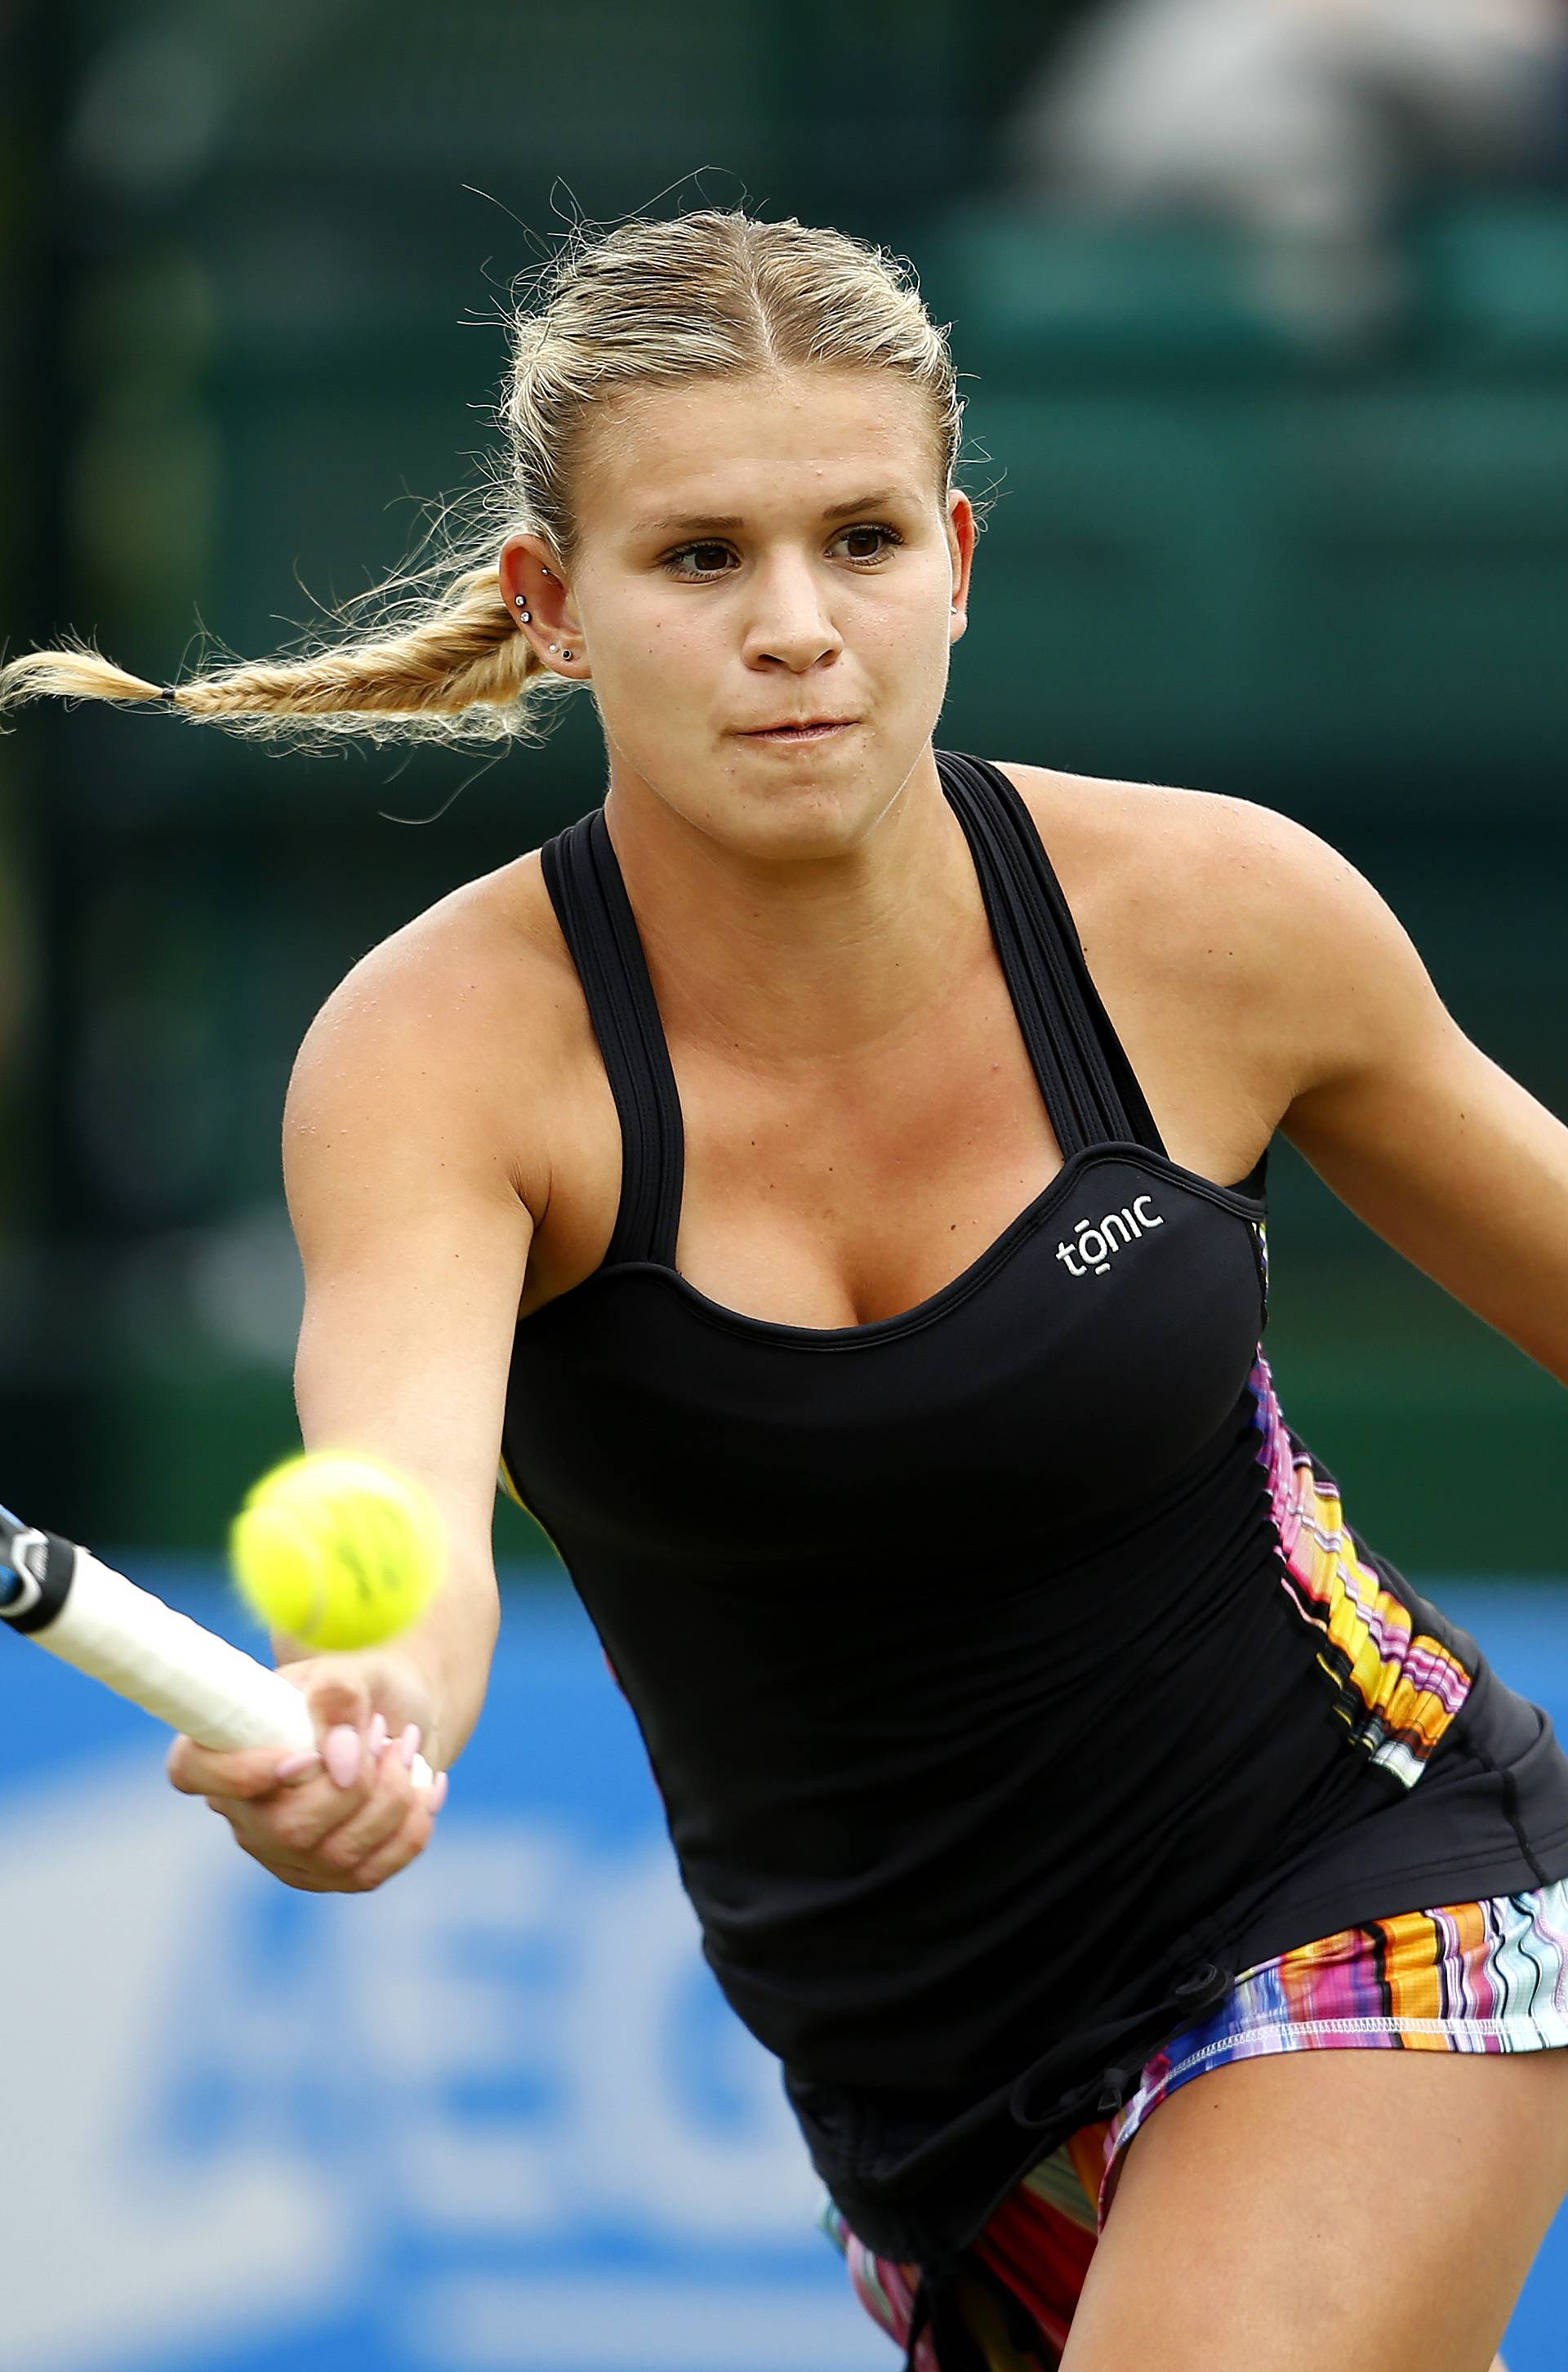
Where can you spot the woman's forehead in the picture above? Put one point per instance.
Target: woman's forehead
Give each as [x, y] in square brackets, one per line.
[712, 446]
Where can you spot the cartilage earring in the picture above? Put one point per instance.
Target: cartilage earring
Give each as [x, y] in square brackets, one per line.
[528, 613]
[565, 655]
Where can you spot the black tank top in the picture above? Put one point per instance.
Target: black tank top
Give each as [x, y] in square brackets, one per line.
[1008, 1672]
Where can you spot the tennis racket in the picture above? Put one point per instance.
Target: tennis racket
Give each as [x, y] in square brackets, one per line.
[61, 1598]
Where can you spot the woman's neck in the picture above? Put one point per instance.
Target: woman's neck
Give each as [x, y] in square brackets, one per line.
[791, 964]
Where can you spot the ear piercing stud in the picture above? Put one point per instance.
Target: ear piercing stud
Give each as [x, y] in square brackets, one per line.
[521, 601]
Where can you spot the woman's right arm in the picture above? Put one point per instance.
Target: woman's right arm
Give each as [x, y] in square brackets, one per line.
[413, 1217]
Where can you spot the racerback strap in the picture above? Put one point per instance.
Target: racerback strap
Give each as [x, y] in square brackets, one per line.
[1086, 1081]
[583, 876]
[1084, 1078]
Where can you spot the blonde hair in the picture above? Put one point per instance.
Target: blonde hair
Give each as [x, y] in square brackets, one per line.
[432, 653]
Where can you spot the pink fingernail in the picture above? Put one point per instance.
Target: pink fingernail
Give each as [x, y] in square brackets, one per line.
[438, 1791]
[294, 1767]
[341, 1752]
[377, 1737]
[409, 1744]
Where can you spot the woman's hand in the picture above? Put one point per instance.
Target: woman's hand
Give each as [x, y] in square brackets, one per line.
[346, 1817]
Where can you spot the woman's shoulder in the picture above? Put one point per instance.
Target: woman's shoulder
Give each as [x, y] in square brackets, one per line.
[1145, 829]
[468, 1011]
[489, 950]
[1203, 879]
[1210, 919]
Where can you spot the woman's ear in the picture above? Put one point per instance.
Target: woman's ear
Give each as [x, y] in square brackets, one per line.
[962, 533]
[540, 603]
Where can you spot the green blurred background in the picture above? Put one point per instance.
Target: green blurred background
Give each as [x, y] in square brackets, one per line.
[251, 263]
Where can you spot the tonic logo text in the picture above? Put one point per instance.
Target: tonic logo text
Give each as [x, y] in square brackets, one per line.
[1093, 1246]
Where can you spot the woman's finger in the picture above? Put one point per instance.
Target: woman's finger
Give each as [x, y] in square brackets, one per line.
[369, 1826]
[338, 1693]
[305, 1881]
[242, 1773]
[400, 1833]
[300, 1816]
[321, 1826]
[404, 1845]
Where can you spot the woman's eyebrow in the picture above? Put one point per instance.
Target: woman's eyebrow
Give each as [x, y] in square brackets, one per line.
[713, 523]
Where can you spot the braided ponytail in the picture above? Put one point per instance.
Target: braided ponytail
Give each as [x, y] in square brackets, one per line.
[432, 653]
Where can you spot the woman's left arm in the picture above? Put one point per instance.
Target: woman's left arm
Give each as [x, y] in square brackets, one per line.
[1439, 1150]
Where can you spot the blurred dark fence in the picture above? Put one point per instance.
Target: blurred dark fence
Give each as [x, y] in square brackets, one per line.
[248, 328]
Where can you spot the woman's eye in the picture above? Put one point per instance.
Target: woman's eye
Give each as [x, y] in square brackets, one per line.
[692, 561]
[695, 550]
[886, 534]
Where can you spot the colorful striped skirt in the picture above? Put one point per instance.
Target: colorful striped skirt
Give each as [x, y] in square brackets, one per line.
[1468, 1976]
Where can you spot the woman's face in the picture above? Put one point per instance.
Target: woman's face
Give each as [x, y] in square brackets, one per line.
[754, 552]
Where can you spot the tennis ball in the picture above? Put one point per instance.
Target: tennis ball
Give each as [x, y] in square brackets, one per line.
[337, 1550]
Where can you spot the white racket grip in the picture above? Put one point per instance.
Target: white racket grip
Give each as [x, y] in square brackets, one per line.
[176, 1670]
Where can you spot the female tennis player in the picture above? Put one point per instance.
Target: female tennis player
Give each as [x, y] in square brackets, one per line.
[828, 1179]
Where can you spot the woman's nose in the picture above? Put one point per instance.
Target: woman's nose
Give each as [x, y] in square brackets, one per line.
[789, 617]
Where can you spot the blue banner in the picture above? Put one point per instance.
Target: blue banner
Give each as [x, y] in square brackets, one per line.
[493, 2118]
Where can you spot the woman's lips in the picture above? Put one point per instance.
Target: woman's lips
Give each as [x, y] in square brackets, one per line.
[788, 735]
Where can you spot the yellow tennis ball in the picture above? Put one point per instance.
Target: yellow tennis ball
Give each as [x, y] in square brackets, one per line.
[337, 1550]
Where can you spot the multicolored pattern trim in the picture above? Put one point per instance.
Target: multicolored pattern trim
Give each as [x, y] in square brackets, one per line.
[1042, 2256]
[1477, 1977]
[1396, 1689]
[1261, 1237]
[1469, 1976]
